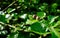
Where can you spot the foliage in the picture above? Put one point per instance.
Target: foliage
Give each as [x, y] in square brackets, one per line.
[29, 19]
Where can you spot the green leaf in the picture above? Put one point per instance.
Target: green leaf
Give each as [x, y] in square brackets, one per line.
[30, 17]
[52, 18]
[56, 24]
[31, 21]
[13, 35]
[37, 28]
[42, 8]
[53, 35]
[24, 16]
[18, 35]
[52, 30]
[54, 5]
[35, 1]
[23, 35]
[20, 0]
[9, 9]
[2, 19]
[41, 14]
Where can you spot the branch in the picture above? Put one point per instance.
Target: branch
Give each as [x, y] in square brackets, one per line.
[9, 5]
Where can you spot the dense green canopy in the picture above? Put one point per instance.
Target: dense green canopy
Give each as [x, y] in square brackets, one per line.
[29, 18]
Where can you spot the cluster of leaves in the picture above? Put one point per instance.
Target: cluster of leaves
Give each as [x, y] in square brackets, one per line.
[29, 19]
